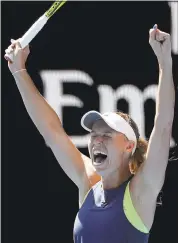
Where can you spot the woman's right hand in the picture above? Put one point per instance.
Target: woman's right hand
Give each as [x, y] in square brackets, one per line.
[19, 56]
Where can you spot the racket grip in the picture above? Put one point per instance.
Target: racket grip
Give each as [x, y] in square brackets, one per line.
[29, 35]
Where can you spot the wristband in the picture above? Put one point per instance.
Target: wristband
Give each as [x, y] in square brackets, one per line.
[19, 71]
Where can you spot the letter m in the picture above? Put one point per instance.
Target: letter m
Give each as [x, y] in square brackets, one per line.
[135, 99]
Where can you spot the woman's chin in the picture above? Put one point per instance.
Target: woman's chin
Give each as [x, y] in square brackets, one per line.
[103, 165]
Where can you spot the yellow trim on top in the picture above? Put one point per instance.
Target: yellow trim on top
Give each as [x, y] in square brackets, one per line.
[131, 213]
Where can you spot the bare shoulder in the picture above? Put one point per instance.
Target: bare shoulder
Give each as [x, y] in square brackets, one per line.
[143, 199]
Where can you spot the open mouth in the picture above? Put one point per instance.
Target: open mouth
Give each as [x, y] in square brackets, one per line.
[99, 157]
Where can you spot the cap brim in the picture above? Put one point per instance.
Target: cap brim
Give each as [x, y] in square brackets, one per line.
[89, 119]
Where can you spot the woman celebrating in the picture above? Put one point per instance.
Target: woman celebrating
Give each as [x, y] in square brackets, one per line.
[119, 184]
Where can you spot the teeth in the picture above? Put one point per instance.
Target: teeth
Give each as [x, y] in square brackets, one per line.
[99, 152]
[103, 153]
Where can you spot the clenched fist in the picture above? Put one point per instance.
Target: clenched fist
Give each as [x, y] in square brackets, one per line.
[161, 45]
[19, 56]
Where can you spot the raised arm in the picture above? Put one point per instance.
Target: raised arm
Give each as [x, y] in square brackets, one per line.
[149, 180]
[74, 164]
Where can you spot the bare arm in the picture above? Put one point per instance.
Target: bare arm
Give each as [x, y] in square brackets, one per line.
[159, 144]
[149, 180]
[49, 125]
[43, 116]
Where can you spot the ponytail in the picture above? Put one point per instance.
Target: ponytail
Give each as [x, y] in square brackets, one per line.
[139, 155]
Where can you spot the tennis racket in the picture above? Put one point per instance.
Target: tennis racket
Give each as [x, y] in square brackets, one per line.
[36, 27]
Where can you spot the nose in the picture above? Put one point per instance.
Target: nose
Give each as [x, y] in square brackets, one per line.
[98, 139]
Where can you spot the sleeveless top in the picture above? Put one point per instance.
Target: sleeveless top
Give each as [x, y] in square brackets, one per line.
[111, 221]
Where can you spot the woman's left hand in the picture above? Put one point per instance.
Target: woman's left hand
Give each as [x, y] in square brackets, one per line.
[161, 45]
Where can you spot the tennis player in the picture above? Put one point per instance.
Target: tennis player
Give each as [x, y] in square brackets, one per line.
[119, 184]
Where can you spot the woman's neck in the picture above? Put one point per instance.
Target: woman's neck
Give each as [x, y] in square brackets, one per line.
[115, 179]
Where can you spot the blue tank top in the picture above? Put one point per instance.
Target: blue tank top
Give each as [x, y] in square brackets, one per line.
[105, 222]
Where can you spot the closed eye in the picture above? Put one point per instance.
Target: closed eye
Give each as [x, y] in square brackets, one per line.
[105, 135]
[93, 135]
[108, 135]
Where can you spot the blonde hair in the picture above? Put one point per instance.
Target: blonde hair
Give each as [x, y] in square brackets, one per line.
[138, 157]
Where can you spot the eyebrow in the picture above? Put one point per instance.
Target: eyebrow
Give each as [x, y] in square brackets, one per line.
[105, 132]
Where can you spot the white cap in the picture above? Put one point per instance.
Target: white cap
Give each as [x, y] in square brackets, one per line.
[113, 120]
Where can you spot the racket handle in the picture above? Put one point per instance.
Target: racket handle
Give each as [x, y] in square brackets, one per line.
[29, 35]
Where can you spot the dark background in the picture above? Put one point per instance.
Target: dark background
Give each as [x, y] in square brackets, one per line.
[108, 40]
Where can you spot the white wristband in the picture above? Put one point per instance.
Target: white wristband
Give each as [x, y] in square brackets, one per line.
[19, 71]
